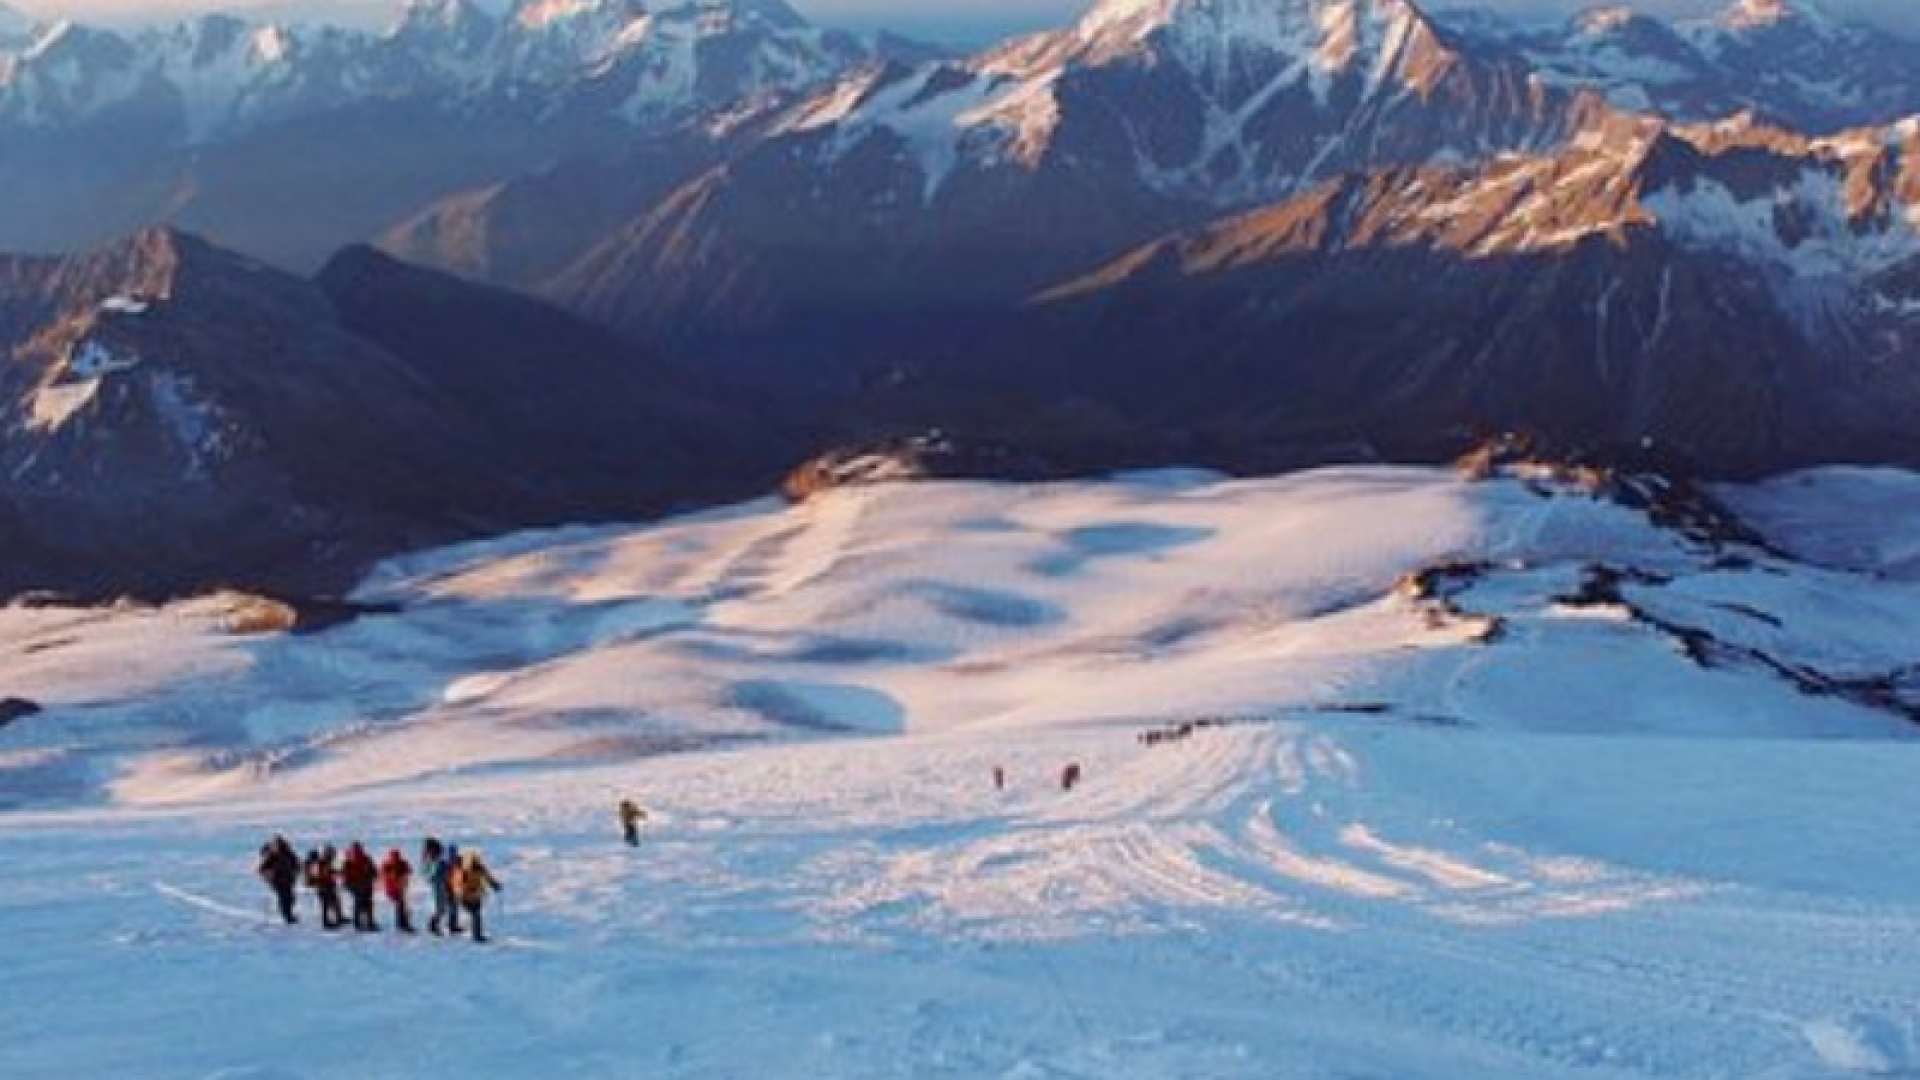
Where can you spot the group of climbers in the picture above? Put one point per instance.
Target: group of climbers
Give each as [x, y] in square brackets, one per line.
[458, 880]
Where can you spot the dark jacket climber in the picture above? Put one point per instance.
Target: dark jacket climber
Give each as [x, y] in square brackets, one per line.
[280, 869]
[325, 883]
[359, 874]
[437, 862]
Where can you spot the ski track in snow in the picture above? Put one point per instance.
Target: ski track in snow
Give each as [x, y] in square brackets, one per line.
[1565, 854]
[1261, 900]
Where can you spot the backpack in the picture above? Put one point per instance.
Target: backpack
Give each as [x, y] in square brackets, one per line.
[472, 884]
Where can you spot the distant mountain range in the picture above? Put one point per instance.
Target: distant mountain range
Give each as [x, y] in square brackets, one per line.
[1246, 233]
[223, 125]
[1787, 61]
[219, 124]
[1399, 233]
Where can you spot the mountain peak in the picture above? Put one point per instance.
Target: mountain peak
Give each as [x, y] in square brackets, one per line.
[1744, 15]
[1332, 36]
[772, 14]
[443, 16]
[151, 260]
[1600, 21]
[1237, 18]
[157, 245]
[541, 14]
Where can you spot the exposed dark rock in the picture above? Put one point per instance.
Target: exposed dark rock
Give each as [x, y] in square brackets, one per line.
[1603, 586]
[1435, 591]
[921, 457]
[16, 709]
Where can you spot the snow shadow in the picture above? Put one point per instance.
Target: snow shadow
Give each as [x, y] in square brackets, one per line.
[832, 708]
[1120, 540]
[990, 607]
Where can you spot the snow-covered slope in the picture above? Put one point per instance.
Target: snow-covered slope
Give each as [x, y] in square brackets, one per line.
[1124, 604]
[1479, 779]
[1863, 520]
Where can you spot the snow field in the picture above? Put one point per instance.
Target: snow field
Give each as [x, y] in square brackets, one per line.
[1313, 898]
[1488, 820]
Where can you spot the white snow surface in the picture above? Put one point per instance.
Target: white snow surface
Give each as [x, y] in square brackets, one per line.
[1487, 829]
[1859, 519]
[1706, 214]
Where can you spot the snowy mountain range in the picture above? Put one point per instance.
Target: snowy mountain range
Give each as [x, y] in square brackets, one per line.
[1788, 61]
[217, 76]
[1223, 104]
[1401, 235]
[102, 132]
[1250, 234]
[908, 188]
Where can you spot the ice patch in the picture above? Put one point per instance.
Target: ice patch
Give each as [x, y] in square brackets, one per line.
[125, 305]
[822, 706]
[1867, 1044]
[93, 359]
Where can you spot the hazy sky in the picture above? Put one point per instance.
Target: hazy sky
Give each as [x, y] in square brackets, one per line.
[952, 18]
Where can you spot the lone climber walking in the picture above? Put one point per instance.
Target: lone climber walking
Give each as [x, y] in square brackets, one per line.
[630, 818]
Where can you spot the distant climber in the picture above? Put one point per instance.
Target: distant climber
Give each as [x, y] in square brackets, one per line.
[999, 778]
[359, 874]
[630, 818]
[395, 874]
[471, 881]
[280, 869]
[325, 883]
[1070, 776]
[437, 860]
